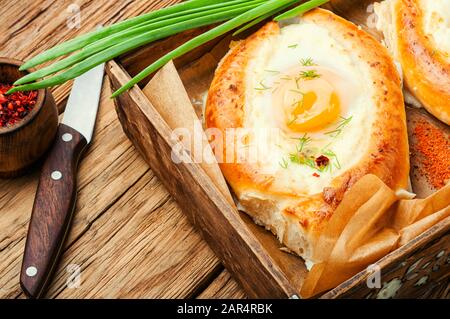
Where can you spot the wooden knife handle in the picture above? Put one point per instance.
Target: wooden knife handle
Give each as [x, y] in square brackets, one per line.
[52, 211]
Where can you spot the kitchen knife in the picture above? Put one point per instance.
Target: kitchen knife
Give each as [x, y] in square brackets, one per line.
[56, 194]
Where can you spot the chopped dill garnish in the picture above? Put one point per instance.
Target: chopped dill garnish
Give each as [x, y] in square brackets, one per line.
[302, 159]
[307, 62]
[293, 46]
[263, 87]
[309, 74]
[299, 157]
[293, 120]
[297, 83]
[327, 169]
[305, 140]
[332, 154]
[297, 91]
[309, 161]
[326, 147]
[321, 160]
[284, 163]
[295, 158]
[272, 71]
[297, 102]
[341, 125]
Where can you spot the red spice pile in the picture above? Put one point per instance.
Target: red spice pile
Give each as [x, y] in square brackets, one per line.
[434, 146]
[14, 107]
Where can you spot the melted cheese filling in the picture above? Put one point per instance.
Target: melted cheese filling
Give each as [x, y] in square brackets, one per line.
[436, 24]
[315, 92]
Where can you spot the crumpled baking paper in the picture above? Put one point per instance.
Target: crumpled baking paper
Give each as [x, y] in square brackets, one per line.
[371, 221]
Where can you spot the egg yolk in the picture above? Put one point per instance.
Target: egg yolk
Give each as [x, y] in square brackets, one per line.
[308, 104]
[308, 116]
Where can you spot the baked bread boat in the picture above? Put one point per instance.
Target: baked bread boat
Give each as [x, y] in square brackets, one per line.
[417, 32]
[330, 97]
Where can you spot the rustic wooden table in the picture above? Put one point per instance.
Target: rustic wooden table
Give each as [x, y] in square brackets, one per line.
[129, 237]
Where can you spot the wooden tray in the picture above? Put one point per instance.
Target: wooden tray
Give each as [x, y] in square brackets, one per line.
[249, 252]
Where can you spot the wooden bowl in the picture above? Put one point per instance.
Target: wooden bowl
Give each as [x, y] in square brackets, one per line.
[24, 143]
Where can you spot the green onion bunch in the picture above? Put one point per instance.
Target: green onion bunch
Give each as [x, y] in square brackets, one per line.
[89, 50]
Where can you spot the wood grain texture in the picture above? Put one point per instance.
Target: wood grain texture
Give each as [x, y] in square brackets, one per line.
[223, 287]
[128, 236]
[163, 256]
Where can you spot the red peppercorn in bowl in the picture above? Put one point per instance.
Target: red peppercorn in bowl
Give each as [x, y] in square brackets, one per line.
[15, 107]
[28, 122]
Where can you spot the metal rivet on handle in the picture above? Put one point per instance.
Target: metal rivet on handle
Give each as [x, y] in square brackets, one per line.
[67, 137]
[31, 271]
[56, 175]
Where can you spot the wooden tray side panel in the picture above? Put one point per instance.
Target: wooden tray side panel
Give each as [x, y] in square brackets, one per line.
[420, 269]
[218, 222]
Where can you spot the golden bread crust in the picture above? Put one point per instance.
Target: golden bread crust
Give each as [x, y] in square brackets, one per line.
[388, 156]
[426, 72]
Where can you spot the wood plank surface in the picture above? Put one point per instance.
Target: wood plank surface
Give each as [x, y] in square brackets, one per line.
[223, 287]
[129, 237]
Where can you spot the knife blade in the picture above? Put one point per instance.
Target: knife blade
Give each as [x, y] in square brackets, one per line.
[55, 199]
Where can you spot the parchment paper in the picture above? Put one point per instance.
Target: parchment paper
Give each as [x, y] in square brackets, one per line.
[168, 95]
[370, 222]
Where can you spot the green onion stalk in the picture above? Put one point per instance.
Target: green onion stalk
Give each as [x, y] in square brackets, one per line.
[91, 49]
